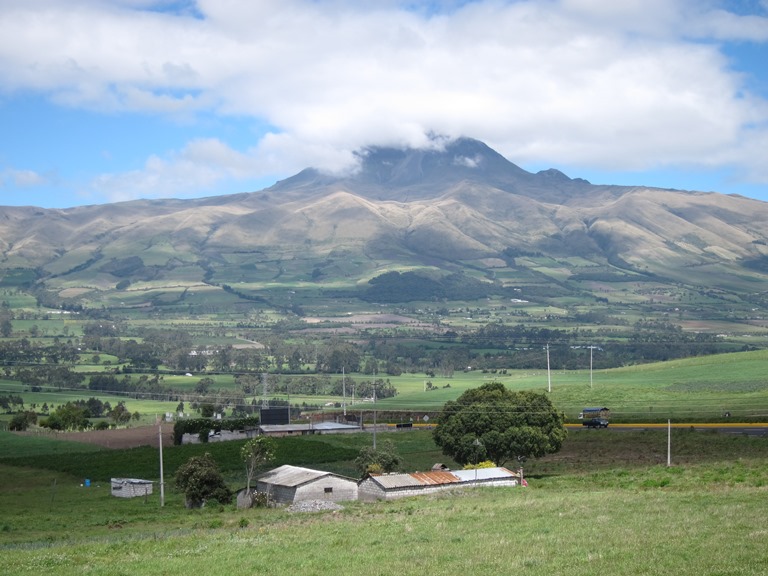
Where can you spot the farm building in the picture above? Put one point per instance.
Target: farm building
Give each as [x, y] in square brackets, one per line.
[131, 487]
[307, 429]
[390, 486]
[288, 484]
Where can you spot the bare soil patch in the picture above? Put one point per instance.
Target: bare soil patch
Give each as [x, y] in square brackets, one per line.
[123, 437]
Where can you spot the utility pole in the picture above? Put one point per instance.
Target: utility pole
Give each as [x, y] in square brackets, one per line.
[162, 480]
[549, 376]
[669, 443]
[374, 415]
[591, 348]
[344, 389]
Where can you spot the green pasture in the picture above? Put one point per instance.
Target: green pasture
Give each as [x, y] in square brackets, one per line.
[35, 400]
[606, 504]
[692, 389]
[699, 389]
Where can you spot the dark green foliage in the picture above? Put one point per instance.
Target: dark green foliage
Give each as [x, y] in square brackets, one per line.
[760, 263]
[410, 286]
[122, 267]
[11, 402]
[68, 416]
[22, 421]
[120, 414]
[197, 425]
[143, 462]
[493, 423]
[201, 480]
[18, 277]
[378, 460]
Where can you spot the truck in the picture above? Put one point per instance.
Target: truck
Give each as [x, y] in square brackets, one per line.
[595, 423]
[595, 417]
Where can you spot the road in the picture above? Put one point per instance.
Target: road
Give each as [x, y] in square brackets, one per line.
[750, 429]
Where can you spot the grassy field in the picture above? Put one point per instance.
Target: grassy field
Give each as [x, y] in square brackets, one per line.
[699, 389]
[688, 390]
[605, 504]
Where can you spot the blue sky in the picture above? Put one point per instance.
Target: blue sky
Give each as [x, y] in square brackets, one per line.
[113, 100]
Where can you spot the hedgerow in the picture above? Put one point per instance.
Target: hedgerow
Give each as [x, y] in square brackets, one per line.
[200, 425]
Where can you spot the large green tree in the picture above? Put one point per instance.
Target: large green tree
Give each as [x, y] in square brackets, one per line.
[493, 423]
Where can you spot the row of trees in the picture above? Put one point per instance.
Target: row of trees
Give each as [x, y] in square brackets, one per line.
[75, 415]
[493, 346]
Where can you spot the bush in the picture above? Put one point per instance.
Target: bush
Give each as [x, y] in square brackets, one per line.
[371, 461]
[197, 425]
[22, 421]
[200, 480]
[260, 500]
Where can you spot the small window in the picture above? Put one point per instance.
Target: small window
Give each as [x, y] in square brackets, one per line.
[329, 490]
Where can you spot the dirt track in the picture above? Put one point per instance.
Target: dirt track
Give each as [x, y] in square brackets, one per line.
[122, 437]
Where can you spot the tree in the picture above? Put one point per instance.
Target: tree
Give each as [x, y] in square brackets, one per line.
[204, 386]
[200, 480]
[378, 461]
[256, 453]
[68, 416]
[493, 423]
[120, 414]
[22, 421]
[6, 326]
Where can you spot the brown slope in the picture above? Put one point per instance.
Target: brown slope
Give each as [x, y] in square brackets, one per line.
[426, 206]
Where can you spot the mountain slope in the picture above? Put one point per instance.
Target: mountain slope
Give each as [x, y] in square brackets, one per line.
[459, 207]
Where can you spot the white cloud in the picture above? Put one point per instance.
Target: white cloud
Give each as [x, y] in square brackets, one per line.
[23, 178]
[625, 85]
[199, 166]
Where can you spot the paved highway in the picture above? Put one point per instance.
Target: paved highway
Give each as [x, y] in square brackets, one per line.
[751, 429]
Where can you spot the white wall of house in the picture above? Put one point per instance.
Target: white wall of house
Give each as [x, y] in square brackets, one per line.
[130, 487]
[369, 490]
[330, 488]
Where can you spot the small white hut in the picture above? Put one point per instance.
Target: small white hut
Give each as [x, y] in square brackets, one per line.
[131, 487]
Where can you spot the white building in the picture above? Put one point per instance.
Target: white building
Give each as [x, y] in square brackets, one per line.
[131, 487]
[288, 484]
[390, 486]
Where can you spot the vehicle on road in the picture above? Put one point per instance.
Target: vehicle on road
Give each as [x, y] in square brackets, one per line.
[595, 423]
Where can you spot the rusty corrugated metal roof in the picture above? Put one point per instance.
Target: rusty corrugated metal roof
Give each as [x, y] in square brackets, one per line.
[435, 477]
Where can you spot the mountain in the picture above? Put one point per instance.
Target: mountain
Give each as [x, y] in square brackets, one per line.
[458, 208]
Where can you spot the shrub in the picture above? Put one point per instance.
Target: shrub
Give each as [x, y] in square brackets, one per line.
[22, 421]
[385, 459]
[200, 480]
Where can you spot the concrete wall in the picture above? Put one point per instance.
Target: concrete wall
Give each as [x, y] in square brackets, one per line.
[368, 491]
[330, 488]
[128, 489]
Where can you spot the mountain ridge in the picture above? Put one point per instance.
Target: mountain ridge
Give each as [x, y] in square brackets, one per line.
[449, 207]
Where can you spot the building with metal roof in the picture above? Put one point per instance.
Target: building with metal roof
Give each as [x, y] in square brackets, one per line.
[390, 486]
[288, 484]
